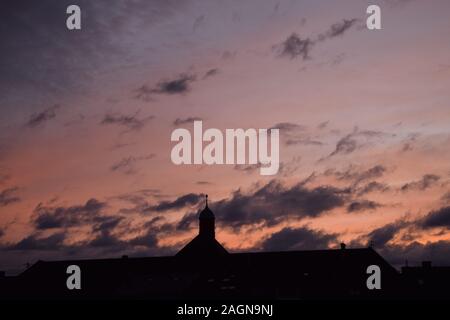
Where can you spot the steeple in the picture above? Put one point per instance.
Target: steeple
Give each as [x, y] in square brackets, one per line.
[207, 222]
[204, 245]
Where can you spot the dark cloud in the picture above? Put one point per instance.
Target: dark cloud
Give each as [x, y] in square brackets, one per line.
[104, 239]
[273, 203]
[344, 146]
[105, 244]
[147, 240]
[295, 46]
[188, 120]
[360, 179]
[181, 202]
[188, 221]
[131, 122]
[437, 218]
[356, 140]
[427, 181]
[301, 238]
[337, 29]
[107, 236]
[381, 236]
[306, 141]
[211, 72]
[373, 186]
[34, 242]
[357, 175]
[127, 165]
[159, 225]
[107, 224]
[179, 85]
[247, 168]
[286, 168]
[294, 134]
[362, 205]
[7, 196]
[45, 217]
[37, 119]
[175, 86]
[40, 56]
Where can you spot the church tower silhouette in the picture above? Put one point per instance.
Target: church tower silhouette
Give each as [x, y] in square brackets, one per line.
[204, 245]
[207, 222]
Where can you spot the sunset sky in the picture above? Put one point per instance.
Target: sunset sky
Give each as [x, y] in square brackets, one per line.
[86, 118]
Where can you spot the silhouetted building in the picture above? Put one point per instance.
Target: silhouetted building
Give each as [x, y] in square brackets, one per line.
[427, 281]
[204, 269]
[204, 245]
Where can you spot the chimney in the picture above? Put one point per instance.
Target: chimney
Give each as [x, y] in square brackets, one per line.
[342, 246]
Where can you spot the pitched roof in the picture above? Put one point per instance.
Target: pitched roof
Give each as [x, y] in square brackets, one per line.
[202, 247]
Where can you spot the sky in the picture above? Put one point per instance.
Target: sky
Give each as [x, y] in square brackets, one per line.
[86, 118]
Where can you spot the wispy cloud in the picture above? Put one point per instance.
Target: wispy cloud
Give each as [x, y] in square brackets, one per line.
[302, 238]
[127, 165]
[272, 203]
[362, 205]
[379, 237]
[211, 73]
[437, 218]
[296, 46]
[8, 196]
[427, 181]
[188, 120]
[357, 175]
[356, 140]
[288, 127]
[48, 217]
[39, 118]
[337, 29]
[131, 122]
[190, 199]
[179, 85]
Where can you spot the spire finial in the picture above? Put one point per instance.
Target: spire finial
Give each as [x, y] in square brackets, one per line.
[206, 201]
